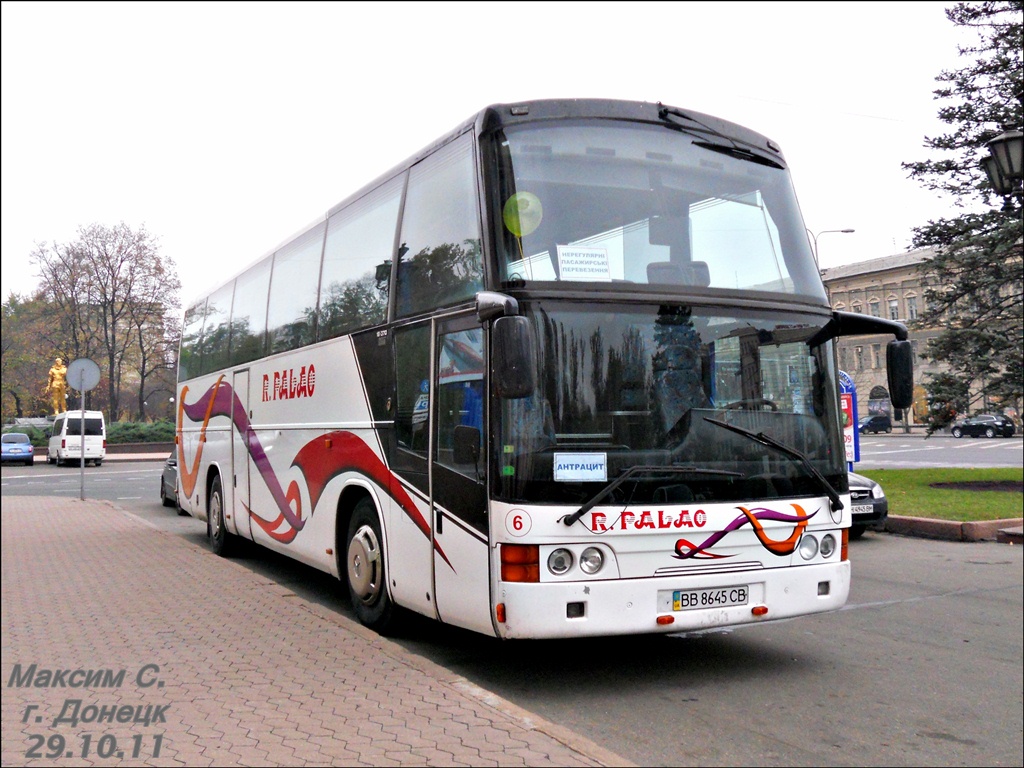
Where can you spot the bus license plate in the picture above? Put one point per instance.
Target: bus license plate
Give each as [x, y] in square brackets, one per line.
[691, 599]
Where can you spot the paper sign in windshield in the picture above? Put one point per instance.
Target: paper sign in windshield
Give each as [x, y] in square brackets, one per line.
[579, 263]
[577, 467]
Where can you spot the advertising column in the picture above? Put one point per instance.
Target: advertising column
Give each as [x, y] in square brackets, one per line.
[848, 410]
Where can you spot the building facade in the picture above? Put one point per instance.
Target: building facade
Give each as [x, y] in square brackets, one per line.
[891, 287]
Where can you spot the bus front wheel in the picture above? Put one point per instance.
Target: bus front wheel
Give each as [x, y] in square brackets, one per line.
[221, 541]
[364, 566]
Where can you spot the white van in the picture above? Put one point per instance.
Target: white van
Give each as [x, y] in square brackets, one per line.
[66, 438]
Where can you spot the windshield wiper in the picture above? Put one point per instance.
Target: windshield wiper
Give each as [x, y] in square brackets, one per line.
[762, 438]
[732, 148]
[673, 470]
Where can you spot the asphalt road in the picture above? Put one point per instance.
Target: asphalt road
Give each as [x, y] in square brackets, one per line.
[898, 451]
[922, 667]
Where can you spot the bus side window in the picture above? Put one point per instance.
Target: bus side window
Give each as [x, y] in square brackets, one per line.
[460, 392]
[440, 260]
[191, 356]
[357, 262]
[249, 314]
[412, 348]
[217, 329]
[291, 313]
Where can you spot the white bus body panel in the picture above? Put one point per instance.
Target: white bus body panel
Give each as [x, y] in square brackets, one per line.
[300, 406]
[651, 553]
[631, 606]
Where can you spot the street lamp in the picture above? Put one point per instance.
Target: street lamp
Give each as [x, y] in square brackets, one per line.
[1005, 165]
[814, 239]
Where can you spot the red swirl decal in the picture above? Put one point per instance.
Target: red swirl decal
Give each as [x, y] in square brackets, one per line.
[685, 550]
[319, 460]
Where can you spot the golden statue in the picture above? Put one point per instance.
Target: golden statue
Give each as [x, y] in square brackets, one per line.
[57, 386]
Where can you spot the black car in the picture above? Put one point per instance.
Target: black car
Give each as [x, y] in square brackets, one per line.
[876, 423]
[870, 507]
[169, 484]
[986, 425]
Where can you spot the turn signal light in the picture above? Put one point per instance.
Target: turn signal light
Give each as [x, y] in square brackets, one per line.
[844, 553]
[520, 562]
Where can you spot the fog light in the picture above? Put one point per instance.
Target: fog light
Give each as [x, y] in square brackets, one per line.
[591, 560]
[560, 561]
[828, 545]
[808, 547]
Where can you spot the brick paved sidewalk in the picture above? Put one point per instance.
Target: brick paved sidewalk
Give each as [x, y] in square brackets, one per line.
[249, 673]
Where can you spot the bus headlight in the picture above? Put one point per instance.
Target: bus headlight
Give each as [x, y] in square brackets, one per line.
[560, 561]
[808, 547]
[591, 561]
[828, 545]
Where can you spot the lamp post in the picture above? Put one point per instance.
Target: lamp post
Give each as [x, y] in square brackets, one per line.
[814, 241]
[1005, 165]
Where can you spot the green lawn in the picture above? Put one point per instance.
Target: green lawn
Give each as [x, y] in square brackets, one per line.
[911, 494]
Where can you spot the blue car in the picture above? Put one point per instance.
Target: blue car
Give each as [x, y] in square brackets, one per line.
[17, 449]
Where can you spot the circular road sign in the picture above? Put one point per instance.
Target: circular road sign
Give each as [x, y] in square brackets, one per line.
[83, 374]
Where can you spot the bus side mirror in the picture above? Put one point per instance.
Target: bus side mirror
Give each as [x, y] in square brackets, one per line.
[512, 357]
[899, 360]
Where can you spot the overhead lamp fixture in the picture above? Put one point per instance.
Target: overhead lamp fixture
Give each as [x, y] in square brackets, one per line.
[1005, 165]
[1008, 150]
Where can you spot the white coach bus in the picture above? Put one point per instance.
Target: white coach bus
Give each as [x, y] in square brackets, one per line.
[568, 371]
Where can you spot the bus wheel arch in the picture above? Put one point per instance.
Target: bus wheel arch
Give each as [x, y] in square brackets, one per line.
[363, 561]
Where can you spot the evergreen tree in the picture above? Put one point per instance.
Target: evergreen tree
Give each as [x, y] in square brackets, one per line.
[975, 294]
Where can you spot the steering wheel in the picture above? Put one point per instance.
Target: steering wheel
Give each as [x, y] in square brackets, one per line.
[752, 404]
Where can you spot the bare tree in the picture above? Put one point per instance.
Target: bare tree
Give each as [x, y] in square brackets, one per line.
[112, 290]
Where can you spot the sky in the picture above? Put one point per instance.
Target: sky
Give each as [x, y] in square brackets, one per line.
[224, 128]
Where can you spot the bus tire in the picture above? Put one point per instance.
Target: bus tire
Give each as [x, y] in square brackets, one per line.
[364, 568]
[221, 542]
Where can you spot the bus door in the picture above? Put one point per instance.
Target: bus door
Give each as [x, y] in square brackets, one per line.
[409, 528]
[440, 387]
[237, 519]
[458, 474]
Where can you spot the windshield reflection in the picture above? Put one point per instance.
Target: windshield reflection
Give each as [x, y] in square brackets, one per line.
[628, 388]
[613, 203]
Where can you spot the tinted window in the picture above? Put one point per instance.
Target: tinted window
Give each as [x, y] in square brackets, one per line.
[217, 329]
[190, 356]
[293, 286]
[440, 261]
[411, 418]
[249, 313]
[607, 201]
[93, 426]
[357, 262]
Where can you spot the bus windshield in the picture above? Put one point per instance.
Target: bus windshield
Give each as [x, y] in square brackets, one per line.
[607, 202]
[651, 386]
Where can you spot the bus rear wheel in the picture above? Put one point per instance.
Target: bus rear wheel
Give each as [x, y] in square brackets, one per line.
[364, 567]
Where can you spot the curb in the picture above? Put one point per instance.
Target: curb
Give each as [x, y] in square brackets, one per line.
[1009, 531]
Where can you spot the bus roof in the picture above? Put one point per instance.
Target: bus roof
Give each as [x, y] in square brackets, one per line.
[497, 116]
